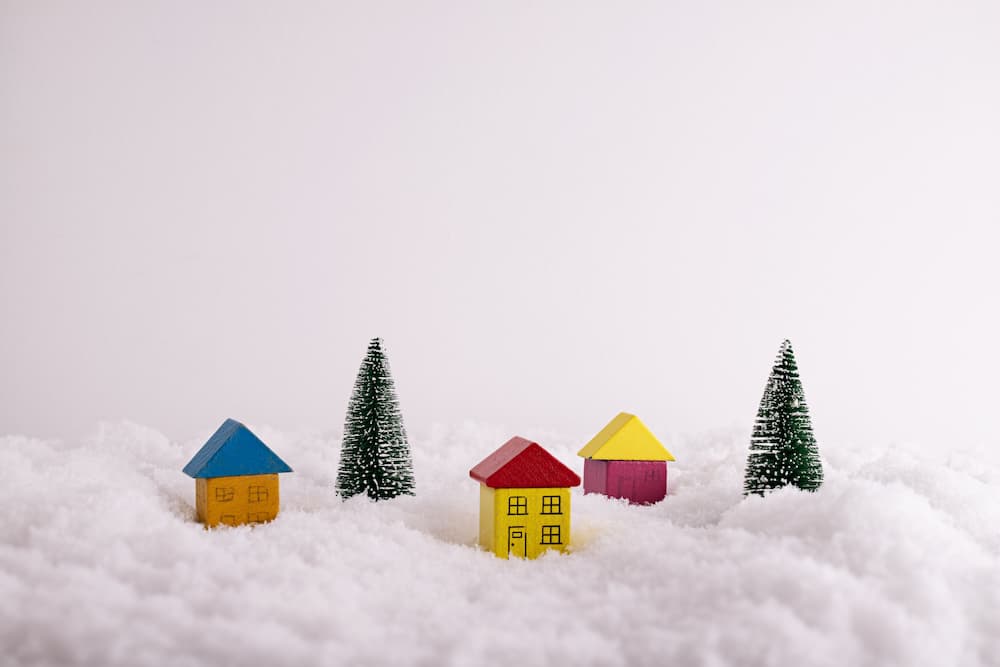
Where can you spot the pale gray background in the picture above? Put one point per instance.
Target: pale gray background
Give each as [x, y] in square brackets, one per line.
[551, 211]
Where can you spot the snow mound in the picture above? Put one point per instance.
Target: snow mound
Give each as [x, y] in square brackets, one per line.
[894, 561]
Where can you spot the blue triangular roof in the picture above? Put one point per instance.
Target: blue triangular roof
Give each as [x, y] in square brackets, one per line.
[234, 450]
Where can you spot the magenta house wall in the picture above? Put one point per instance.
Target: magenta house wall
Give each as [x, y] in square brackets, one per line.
[639, 482]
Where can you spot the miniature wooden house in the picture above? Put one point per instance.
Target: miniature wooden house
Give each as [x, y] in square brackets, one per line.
[236, 478]
[524, 506]
[625, 460]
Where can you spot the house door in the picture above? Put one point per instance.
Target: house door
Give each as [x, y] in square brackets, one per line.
[626, 483]
[517, 541]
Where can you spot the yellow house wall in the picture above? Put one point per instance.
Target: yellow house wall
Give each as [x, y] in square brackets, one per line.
[498, 527]
[487, 506]
[237, 500]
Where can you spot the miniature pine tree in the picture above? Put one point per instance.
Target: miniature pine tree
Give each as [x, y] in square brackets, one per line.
[375, 456]
[782, 449]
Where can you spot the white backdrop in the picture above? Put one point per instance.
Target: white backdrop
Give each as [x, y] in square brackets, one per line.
[550, 211]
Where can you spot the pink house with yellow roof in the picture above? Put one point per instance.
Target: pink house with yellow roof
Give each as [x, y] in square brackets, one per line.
[625, 460]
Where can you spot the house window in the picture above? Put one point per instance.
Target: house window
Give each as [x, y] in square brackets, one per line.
[228, 519]
[551, 535]
[551, 505]
[258, 517]
[224, 494]
[258, 494]
[517, 505]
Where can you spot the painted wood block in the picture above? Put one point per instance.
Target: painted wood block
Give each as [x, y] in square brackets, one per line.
[625, 460]
[639, 482]
[523, 522]
[595, 476]
[233, 501]
[524, 500]
[236, 478]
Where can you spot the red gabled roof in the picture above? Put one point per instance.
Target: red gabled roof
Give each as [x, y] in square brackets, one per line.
[523, 464]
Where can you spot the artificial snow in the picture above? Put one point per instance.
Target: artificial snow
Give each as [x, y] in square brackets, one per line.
[894, 561]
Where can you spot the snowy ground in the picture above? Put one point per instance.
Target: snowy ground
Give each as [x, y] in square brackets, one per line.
[896, 561]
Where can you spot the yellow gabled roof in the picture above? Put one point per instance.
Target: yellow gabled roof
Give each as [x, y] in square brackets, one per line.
[625, 438]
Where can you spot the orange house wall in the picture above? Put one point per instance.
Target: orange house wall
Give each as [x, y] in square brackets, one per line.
[234, 501]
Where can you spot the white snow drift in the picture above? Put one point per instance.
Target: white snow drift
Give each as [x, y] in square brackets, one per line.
[895, 561]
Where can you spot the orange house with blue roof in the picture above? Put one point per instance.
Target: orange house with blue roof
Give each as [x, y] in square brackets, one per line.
[236, 478]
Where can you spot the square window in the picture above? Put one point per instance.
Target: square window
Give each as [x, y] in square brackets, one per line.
[257, 494]
[258, 517]
[551, 505]
[551, 534]
[517, 505]
[224, 494]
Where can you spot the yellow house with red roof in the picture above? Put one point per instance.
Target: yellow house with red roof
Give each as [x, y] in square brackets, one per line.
[524, 503]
